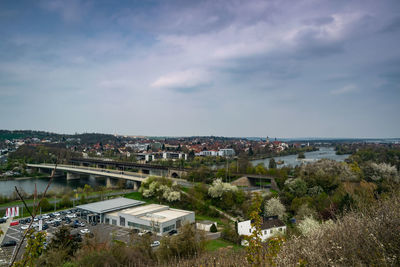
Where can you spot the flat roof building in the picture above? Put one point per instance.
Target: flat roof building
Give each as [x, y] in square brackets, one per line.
[97, 210]
[159, 219]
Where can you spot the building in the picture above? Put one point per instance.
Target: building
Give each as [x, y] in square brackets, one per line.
[226, 152]
[270, 226]
[174, 155]
[159, 219]
[96, 212]
[205, 225]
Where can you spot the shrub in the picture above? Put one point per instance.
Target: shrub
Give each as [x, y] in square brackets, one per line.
[370, 237]
[213, 228]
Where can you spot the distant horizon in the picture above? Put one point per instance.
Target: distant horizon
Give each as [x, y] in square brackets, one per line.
[247, 137]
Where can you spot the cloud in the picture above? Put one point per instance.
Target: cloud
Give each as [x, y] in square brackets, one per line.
[351, 88]
[242, 59]
[182, 79]
[71, 10]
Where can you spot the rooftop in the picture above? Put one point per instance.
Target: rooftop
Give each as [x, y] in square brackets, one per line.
[153, 212]
[110, 205]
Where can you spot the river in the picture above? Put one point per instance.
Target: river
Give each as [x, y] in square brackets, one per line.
[322, 153]
[58, 184]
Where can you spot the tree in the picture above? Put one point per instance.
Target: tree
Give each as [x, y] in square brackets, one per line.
[34, 249]
[301, 155]
[296, 186]
[254, 250]
[188, 243]
[213, 228]
[308, 225]
[218, 188]
[272, 163]
[260, 169]
[87, 189]
[274, 207]
[45, 205]
[65, 202]
[63, 241]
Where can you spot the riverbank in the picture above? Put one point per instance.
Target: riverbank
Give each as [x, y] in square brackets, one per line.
[17, 178]
[268, 156]
[55, 201]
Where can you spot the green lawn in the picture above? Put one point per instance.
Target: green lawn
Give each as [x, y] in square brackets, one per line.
[213, 245]
[138, 196]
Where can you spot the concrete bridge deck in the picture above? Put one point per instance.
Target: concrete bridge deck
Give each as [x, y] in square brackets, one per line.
[93, 171]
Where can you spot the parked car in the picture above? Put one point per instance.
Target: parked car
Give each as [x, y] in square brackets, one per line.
[173, 232]
[22, 221]
[85, 231]
[14, 223]
[45, 226]
[24, 227]
[45, 217]
[155, 244]
[28, 220]
[94, 223]
[9, 243]
[82, 224]
[2, 220]
[56, 214]
[56, 223]
[71, 215]
[144, 233]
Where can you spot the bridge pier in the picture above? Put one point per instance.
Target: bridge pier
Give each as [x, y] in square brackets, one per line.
[108, 182]
[136, 185]
[72, 176]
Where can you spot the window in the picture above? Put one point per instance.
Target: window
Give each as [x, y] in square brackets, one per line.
[121, 221]
[114, 222]
[168, 228]
[143, 227]
[107, 221]
[280, 229]
[178, 224]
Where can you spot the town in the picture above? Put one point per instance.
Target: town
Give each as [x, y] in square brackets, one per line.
[147, 192]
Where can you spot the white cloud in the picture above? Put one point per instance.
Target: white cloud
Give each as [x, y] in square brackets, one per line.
[345, 90]
[182, 79]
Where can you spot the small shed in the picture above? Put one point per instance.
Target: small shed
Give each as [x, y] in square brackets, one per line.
[205, 225]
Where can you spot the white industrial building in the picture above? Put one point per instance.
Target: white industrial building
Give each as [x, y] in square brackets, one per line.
[226, 152]
[159, 219]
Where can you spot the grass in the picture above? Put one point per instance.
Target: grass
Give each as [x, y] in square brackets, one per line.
[216, 244]
[138, 196]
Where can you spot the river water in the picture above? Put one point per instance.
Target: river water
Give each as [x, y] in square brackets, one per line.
[322, 153]
[58, 184]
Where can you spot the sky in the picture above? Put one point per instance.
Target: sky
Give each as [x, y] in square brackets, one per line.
[303, 68]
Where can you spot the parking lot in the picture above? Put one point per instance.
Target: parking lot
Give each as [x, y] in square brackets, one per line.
[78, 226]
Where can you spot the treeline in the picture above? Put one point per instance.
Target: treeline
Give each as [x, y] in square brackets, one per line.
[49, 153]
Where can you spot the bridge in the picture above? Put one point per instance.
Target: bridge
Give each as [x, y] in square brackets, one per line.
[151, 169]
[73, 172]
